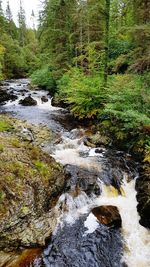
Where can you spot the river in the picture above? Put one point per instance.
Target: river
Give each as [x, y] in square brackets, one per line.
[79, 238]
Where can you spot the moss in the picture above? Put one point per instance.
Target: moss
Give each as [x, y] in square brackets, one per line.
[25, 171]
[5, 124]
[1, 148]
[15, 142]
[43, 168]
[2, 195]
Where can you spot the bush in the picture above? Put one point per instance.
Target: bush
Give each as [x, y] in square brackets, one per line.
[128, 101]
[85, 94]
[44, 79]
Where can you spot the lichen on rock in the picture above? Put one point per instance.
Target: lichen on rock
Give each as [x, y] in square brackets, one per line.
[31, 182]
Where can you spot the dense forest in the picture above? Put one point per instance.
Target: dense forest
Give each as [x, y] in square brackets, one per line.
[93, 55]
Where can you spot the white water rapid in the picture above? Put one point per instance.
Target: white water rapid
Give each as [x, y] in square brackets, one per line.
[136, 237]
[74, 204]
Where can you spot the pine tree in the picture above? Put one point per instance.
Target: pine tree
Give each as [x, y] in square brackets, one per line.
[1, 9]
[141, 35]
[33, 20]
[9, 16]
[22, 24]
[57, 33]
[107, 28]
[2, 19]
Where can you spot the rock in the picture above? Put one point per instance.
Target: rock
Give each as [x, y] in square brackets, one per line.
[5, 96]
[28, 101]
[99, 140]
[31, 182]
[44, 99]
[19, 258]
[4, 83]
[87, 142]
[99, 150]
[86, 180]
[143, 198]
[108, 215]
[59, 102]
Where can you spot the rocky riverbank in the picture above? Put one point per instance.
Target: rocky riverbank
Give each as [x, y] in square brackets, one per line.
[31, 182]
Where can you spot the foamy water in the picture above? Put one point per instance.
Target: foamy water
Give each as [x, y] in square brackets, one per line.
[136, 238]
[74, 152]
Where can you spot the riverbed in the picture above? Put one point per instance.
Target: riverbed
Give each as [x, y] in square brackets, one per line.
[99, 177]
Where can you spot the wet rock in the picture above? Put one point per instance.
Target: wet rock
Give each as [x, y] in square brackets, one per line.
[28, 101]
[143, 198]
[24, 90]
[70, 246]
[99, 150]
[76, 134]
[108, 215]
[44, 99]
[87, 142]
[59, 103]
[4, 83]
[86, 180]
[99, 140]
[6, 96]
[19, 258]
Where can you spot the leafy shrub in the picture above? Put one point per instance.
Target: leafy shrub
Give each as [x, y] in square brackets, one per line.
[85, 94]
[128, 101]
[44, 79]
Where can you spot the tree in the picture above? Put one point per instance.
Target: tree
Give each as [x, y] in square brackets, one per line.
[22, 24]
[1, 9]
[107, 21]
[2, 19]
[56, 32]
[9, 16]
[33, 20]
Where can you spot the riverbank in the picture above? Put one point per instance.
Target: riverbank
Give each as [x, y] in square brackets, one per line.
[31, 182]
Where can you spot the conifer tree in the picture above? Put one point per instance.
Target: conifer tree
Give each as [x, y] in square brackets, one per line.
[22, 24]
[1, 9]
[107, 28]
[2, 19]
[9, 16]
[33, 19]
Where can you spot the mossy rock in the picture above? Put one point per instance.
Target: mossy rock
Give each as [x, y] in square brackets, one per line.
[31, 182]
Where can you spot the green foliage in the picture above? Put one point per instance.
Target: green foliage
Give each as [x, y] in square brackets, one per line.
[1, 148]
[44, 79]
[84, 93]
[5, 126]
[2, 52]
[128, 101]
[14, 63]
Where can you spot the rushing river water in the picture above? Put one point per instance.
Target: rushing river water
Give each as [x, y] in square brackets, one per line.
[80, 239]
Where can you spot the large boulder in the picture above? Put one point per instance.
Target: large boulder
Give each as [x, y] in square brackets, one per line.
[108, 215]
[28, 101]
[31, 182]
